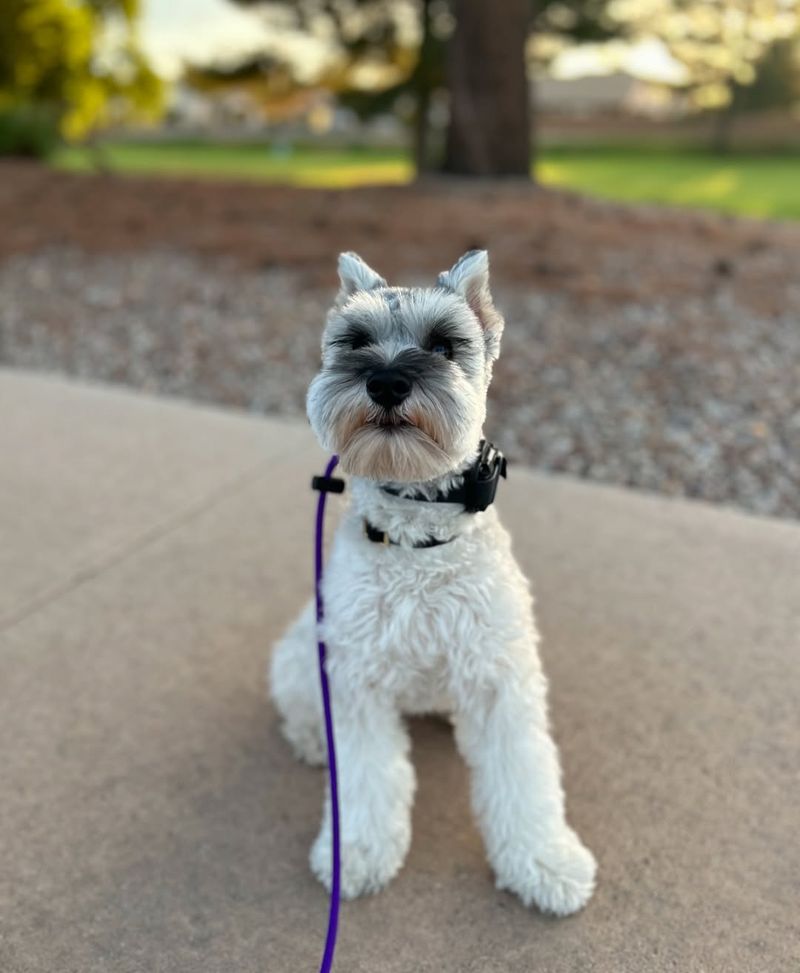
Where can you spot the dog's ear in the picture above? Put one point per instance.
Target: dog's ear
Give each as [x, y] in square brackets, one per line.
[355, 275]
[469, 278]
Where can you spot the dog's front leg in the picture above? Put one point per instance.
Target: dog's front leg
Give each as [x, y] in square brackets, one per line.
[517, 795]
[376, 788]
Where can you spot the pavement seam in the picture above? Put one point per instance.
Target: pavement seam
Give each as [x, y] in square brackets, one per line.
[141, 541]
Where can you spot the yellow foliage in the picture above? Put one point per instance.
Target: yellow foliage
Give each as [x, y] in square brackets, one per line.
[61, 54]
[718, 41]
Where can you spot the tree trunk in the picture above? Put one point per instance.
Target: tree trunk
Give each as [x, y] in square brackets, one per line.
[722, 136]
[490, 123]
[423, 84]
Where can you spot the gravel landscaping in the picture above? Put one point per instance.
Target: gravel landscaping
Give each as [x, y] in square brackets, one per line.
[644, 347]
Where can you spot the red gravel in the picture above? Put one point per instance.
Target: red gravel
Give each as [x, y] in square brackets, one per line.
[646, 347]
[543, 240]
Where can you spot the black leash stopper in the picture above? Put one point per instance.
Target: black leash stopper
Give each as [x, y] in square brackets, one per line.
[327, 484]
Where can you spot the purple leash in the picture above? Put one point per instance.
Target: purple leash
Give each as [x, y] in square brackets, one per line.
[333, 914]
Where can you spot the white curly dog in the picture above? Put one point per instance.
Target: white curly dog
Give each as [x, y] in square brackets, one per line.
[426, 609]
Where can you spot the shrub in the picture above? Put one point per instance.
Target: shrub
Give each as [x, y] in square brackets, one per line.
[28, 130]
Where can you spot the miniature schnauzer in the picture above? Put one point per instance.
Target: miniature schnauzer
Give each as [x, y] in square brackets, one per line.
[426, 610]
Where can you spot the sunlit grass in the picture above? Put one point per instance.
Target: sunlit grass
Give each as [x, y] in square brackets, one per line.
[747, 184]
[331, 168]
[750, 184]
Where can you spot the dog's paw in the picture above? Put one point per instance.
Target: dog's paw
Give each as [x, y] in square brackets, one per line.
[558, 878]
[306, 742]
[364, 868]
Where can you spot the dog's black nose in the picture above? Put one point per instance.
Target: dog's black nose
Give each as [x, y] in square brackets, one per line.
[388, 387]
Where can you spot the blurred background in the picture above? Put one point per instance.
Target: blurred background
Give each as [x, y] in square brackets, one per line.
[177, 177]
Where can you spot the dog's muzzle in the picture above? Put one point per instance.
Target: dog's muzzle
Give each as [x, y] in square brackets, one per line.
[388, 387]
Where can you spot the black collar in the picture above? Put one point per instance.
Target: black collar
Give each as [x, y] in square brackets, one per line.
[381, 537]
[478, 485]
[475, 491]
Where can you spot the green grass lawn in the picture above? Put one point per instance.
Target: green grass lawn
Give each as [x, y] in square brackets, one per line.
[332, 168]
[747, 184]
[750, 184]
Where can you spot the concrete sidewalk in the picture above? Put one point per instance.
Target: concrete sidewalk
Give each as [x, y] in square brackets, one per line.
[151, 818]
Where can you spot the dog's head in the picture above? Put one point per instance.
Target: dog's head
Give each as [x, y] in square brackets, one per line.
[401, 394]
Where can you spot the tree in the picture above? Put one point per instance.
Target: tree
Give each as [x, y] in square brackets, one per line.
[776, 81]
[58, 56]
[489, 131]
[719, 42]
[473, 50]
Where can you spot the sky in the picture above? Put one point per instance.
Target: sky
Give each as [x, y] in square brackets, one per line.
[647, 59]
[199, 31]
[204, 31]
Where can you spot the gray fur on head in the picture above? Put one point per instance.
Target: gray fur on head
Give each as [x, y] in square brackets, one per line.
[441, 340]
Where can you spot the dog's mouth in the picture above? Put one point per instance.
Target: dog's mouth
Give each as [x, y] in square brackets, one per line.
[391, 445]
[389, 421]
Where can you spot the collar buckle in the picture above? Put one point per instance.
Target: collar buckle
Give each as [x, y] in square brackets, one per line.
[481, 479]
[478, 486]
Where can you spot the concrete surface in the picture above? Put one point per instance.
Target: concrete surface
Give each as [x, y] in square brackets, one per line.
[151, 818]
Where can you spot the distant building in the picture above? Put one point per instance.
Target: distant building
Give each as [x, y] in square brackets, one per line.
[304, 114]
[607, 94]
[191, 110]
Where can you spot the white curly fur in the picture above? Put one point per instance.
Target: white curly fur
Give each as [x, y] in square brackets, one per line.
[442, 629]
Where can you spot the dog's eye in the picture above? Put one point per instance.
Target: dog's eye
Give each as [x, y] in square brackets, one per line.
[440, 346]
[351, 340]
[359, 340]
